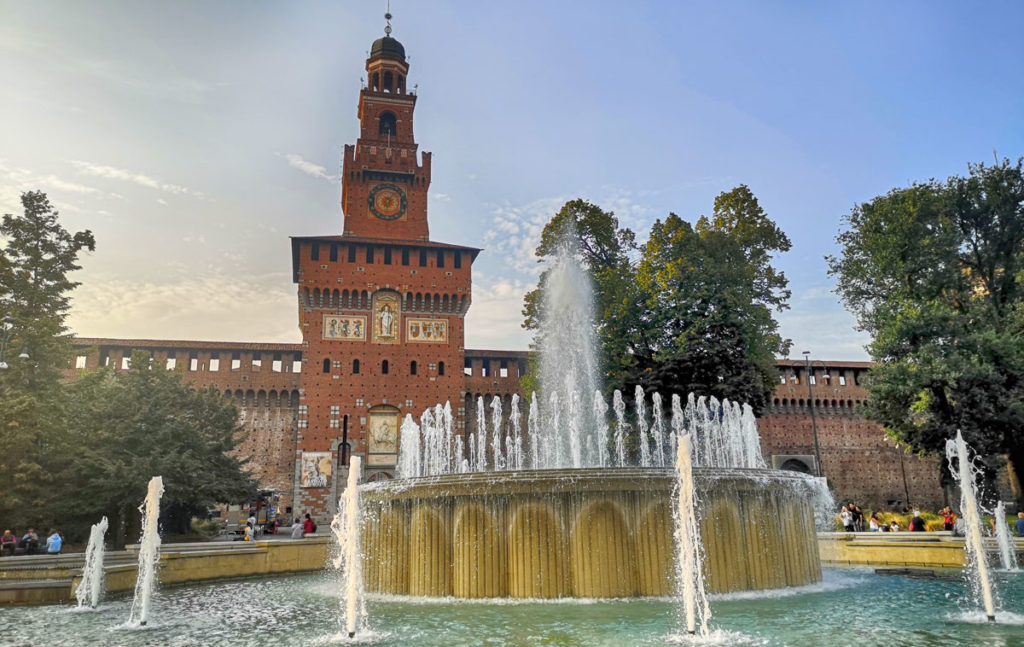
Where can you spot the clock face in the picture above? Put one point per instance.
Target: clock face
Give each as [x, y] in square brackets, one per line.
[387, 201]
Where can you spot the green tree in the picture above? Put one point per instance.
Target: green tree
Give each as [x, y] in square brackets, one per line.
[35, 260]
[129, 426]
[712, 292]
[605, 251]
[935, 274]
[691, 312]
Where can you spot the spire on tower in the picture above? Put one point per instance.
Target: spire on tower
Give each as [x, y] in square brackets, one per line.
[387, 17]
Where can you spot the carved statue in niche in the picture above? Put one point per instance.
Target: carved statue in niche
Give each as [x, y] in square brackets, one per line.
[386, 313]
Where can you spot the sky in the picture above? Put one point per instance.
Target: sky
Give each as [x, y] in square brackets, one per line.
[193, 138]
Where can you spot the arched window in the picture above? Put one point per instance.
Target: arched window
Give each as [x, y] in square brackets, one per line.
[412, 367]
[384, 367]
[327, 365]
[355, 367]
[796, 465]
[387, 125]
[440, 368]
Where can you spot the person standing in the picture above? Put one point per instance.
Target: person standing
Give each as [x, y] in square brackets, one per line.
[1019, 525]
[54, 542]
[846, 518]
[948, 519]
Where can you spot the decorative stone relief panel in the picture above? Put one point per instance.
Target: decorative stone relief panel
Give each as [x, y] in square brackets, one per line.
[429, 331]
[345, 328]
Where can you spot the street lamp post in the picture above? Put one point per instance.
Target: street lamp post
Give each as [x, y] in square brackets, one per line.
[810, 402]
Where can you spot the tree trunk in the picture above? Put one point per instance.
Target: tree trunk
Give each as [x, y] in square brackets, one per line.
[117, 523]
[1015, 471]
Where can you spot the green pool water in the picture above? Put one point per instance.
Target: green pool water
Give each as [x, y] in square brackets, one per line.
[849, 607]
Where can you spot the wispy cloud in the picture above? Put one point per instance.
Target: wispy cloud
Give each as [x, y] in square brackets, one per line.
[515, 232]
[113, 173]
[494, 320]
[16, 180]
[209, 305]
[312, 169]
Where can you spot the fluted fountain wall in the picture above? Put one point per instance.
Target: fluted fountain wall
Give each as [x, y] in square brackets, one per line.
[593, 533]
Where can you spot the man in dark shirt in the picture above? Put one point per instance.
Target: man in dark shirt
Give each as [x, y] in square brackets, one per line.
[1019, 526]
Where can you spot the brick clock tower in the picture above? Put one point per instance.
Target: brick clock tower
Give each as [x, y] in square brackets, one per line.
[381, 307]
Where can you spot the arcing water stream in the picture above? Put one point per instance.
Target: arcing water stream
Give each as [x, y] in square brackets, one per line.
[976, 565]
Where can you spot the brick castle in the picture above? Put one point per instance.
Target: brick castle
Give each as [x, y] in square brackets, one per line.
[382, 310]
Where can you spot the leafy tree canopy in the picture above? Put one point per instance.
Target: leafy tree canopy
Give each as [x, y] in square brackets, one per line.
[131, 425]
[935, 273]
[36, 255]
[689, 310]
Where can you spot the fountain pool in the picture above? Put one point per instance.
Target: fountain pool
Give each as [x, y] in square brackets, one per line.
[847, 607]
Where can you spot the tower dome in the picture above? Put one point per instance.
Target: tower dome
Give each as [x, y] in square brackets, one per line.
[387, 46]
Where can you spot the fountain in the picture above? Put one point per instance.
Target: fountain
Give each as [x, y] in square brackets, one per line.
[91, 586]
[690, 562]
[149, 553]
[349, 560]
[976, 564]
[563, 507]
[1007, 555]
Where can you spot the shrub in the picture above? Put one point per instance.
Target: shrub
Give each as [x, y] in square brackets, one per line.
[205, 527]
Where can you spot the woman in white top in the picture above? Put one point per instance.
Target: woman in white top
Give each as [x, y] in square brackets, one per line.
[847, 518]
[297, 530]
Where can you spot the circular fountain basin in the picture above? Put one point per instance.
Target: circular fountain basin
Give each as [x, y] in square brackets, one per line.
[588, 533]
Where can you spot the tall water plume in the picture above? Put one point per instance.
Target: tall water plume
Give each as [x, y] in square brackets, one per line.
[91, 586]
[568, 352]
[516, 453]
[976, 566]
[409, 456]
[496, 435]
[620, 428]
[696, 611]
[1007, 554]
[149, 553]
[349, 560]
[641, 425]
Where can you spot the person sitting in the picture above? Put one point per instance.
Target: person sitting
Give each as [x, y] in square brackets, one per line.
[894, 526]
[308, 526]
[875, 523]
[8, 542]
[917, 523]
[54, 542]
[248, 532]
[29, 542]
[297, 529]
